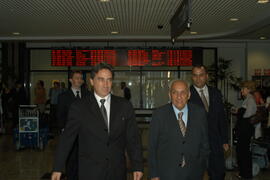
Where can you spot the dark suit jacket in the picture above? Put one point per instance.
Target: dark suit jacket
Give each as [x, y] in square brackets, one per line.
[64, 101]
[167, 146]
[100, 153]
[216, 118]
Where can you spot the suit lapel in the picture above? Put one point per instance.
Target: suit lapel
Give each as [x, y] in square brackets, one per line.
[195, 95]
[190, 120]
[113, 119]
[71, 94]
[210, 94]
[96, 116]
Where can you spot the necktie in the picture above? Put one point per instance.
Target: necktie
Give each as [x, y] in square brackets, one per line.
[181, 123]
[78, 95]
[104, 112]
[205, 103]
[183, 131]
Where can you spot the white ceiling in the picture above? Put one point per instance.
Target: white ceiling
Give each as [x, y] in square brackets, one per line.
[134, 19]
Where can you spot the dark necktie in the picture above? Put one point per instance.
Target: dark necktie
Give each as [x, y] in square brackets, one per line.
[205, 103]
[183, 131]
[78, 95]
[104, 113]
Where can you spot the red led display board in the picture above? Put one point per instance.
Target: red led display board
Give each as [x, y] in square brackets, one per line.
[123, 57]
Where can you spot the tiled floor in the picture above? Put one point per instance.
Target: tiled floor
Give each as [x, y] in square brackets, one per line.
[30, 164]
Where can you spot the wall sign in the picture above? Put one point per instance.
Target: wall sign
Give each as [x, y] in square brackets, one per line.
[124, 57]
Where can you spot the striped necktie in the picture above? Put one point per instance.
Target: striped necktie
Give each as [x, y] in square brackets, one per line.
[183, 131]
[205, 103]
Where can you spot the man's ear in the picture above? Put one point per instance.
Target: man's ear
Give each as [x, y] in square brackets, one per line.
[70, 80]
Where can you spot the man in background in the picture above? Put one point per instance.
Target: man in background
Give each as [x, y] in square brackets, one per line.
[210, 99]
[65, 99]
[126, 91]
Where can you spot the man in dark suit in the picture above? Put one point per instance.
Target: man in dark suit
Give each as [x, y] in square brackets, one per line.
[105, 126]
[210, 99]
[126, 91]
[65, 99]
[178, 144]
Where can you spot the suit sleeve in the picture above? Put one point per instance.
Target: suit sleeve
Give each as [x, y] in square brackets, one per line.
[67, 139]
[153, 145]
[223, 121]
[134, 147]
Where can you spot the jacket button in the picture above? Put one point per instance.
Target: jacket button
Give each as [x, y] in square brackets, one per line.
[108, 144]
[183, 142]
[107, 159]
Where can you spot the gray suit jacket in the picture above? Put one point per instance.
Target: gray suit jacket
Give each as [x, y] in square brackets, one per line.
[168, 146]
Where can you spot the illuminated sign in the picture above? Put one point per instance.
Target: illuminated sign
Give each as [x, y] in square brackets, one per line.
[123, 57]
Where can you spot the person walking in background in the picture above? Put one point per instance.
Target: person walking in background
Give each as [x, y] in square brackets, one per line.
[76, 92]
[63, 87]
[54, 92]
[245, 129]
[178, 142]
[210, 99]
[40, 96]
[18, 95]
[126, 91]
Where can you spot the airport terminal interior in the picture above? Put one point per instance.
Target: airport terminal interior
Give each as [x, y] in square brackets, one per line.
[149, 43]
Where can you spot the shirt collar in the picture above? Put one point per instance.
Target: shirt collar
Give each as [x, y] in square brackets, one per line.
[107, 98]
[198, 89]
[75, 89]
[184, 110]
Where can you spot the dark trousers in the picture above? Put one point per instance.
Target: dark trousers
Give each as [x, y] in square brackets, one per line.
[72, 163]
[243, 153]
[216, 166]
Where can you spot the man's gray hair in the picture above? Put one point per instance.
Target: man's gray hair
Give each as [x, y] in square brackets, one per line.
[178, 80]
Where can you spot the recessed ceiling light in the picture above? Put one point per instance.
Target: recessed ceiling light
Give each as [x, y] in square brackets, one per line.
[234, 19]
[16, 33]
[262, 1]
[104, 0]
[110, 18]
[262, 38]
[114, 32]
[193, 32]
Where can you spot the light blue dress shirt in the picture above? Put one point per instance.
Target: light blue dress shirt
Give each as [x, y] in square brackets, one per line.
[185, 113]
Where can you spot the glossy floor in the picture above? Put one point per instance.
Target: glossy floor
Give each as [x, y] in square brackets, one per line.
[31, 164]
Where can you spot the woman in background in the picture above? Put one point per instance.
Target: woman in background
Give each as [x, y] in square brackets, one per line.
[245, 129]
[40, 96]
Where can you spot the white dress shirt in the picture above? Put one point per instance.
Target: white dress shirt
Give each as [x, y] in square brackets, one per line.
[205, 91]
[107, 104]
[75, 92]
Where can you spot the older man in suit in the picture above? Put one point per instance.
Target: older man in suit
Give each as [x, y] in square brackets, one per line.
[210, 99]
[105, 126]
[65, 99]
[178, 138]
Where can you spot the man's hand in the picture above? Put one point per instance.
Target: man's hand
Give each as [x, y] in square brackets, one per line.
[155, 178]
[226, 147]
[137, 175]
[56, 176]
